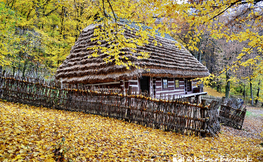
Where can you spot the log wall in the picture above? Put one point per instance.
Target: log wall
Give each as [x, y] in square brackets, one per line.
[156, 88]
[169, 92]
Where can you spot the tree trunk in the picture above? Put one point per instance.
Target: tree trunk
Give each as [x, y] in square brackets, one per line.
[244, 92]
[218, 87]
[251, 92]
[19, 66]
[200, 56]
[37, 71]
[14, 70]
[256, 101]
[227, 84]
[24, 69]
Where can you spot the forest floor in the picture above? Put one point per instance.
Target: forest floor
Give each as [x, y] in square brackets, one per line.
[252, 126]
[253, 123]
[29, 133]
[213, 92]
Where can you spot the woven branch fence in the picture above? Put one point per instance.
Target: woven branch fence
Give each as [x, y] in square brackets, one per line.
[231, 112]
[168, 115]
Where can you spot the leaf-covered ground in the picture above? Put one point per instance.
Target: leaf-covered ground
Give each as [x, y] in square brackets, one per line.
[253, 124]
[41, 134]
[213, 92]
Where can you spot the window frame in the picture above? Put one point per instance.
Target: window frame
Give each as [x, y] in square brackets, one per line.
[175, 84]
[166, 83]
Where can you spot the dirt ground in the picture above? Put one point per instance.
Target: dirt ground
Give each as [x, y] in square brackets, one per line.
[252, 127]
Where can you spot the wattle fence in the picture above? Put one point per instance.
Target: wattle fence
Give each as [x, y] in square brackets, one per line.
[232, 117]
[170, 115]
[231, 112]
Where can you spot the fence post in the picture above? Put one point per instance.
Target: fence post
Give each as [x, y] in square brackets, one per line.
[198, 98]
[203, 102]
[243, 114]
[129, 102]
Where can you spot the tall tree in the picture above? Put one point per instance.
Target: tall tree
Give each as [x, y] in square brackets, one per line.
[56, 24]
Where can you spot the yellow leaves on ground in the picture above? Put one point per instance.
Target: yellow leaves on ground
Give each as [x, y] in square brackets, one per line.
[213, 92]
[33, 133]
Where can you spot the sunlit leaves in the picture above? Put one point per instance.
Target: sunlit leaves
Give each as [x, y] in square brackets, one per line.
[59, 24]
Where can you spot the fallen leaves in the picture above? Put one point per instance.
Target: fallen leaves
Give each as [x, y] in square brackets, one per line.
[213, 92]
[252, 126]
[41, 134]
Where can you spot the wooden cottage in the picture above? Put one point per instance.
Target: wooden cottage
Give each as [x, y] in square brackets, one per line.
[168, 72]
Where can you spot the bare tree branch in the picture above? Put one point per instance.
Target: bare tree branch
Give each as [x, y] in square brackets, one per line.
[232, 4]
[104, 12]
[112, 10]
[51, 11]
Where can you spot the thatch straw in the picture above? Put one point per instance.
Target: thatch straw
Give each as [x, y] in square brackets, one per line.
[165, 60]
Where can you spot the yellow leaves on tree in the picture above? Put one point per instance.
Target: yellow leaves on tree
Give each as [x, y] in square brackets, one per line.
[61, 22]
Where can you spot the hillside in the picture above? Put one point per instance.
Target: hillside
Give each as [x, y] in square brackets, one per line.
[212, 92]
[33, 133]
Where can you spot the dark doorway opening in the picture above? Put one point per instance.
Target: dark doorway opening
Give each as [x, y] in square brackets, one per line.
[145, 84]
[188, 85]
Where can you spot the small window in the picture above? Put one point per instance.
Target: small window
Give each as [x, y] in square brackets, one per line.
[194, 83]
[165, 84]
[176, 83]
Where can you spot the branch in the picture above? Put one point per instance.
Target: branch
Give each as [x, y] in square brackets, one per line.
[239, 15]
[104, 12]
[28, 13]
[112, 10]
[232, 4]
[46, 2]
[181, 38]
[51, 12]
[256, 1]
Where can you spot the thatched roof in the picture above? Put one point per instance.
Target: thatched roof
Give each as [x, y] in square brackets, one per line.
[166, 60]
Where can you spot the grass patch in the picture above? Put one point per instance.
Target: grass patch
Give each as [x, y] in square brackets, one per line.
[248, 113]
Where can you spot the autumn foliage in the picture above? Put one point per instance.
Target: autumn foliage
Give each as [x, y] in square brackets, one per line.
[225, 35]
[41, 134]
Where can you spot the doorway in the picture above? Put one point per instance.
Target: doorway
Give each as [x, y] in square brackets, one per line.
[145, 84]
[188, 85]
